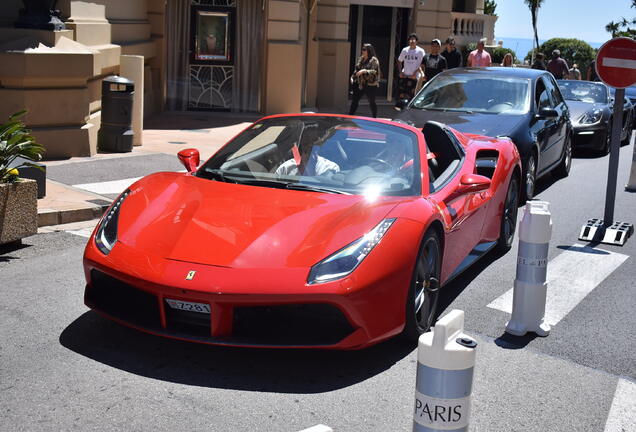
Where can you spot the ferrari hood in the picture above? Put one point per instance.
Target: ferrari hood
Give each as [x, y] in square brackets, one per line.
[185, 218]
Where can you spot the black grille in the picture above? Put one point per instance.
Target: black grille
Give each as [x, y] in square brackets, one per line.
[187, 322]
[297, 324]
[120, 300]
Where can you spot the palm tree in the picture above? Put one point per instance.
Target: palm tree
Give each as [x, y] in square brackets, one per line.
[534, 6]
[612, 28]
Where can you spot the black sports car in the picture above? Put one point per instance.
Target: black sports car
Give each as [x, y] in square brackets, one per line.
[591, 106]
[522, 104]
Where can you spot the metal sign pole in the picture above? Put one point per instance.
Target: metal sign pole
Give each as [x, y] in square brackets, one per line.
[616, 66]
[617, 123]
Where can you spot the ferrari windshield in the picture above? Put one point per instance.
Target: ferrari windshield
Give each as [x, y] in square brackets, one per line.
[583, 91]
[475, 92]
[322, 154]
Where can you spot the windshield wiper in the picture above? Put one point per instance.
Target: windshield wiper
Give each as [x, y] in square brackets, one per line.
[306, 187]
[216, 174]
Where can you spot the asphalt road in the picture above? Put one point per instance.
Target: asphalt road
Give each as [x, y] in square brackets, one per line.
[63, 367]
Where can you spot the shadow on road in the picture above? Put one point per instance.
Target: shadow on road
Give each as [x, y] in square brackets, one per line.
[264, 370]
[452, 290]
[508, 341]
[8, 248]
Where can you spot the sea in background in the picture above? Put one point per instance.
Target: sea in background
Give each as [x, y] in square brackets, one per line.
[521, 46]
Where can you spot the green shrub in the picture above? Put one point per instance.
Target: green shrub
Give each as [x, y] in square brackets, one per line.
[572, 50]
[16, 141]
[498, 54]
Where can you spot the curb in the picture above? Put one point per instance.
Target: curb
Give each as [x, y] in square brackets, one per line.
[49, 217]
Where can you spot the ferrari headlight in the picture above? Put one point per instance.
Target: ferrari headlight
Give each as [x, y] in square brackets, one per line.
[591, 117]
[348, 258]
[106, 234]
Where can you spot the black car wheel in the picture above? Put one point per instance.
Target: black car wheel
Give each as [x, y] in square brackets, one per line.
[608, 140]
[563, 170]
[627, 138]
[509, 216]
[421, 303]
[530, 177]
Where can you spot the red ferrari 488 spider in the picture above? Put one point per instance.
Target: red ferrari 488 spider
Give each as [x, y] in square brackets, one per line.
[304, 230]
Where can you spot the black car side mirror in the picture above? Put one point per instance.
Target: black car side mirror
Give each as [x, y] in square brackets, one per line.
[547, 113]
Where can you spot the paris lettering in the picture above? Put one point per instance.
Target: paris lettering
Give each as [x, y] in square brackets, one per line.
[437, 413]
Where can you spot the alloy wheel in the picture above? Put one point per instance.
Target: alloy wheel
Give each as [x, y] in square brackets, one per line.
[531, 173]
[509, 216]
[427, 284]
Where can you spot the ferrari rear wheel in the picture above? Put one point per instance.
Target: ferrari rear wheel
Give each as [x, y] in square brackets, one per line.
[509, 216]
[421, 302]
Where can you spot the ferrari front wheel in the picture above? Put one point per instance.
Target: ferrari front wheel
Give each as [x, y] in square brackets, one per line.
[509, 216]
[423, 294]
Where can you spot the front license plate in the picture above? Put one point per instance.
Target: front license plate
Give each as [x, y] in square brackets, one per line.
[189, 306]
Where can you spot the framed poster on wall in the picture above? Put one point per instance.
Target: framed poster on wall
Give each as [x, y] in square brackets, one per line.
[212, 35]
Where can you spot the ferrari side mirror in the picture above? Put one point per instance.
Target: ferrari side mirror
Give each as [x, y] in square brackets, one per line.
[189, 158]
[469, 184]
[473, 183]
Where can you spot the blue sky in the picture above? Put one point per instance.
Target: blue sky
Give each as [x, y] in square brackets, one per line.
[580, 19]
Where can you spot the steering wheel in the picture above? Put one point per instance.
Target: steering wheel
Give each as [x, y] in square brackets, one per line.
[377, 161]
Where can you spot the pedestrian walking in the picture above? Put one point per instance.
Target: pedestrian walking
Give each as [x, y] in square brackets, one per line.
[365, 79]
[410, 60]
[539, 62]
[452, 56]
[575, 73]
[591, 72]
[507, 61]
[558, 66]
[479, 57]
[434, 63]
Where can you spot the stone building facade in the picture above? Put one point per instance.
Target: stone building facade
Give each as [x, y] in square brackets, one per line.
[267, 56]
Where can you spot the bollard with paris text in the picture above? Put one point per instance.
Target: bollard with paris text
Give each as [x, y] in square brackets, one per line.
[445, 362]
[530, 286]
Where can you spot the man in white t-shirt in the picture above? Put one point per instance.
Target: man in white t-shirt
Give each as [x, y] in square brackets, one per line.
[410, 61]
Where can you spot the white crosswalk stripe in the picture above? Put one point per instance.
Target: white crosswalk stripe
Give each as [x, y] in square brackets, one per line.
[572, 275]
[107, 187]
[622, 415]
[85, 232]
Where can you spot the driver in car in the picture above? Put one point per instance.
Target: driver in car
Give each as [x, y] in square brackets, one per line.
[307, 162]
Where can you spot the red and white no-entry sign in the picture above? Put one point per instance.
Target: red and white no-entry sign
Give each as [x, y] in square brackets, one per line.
[616, 62]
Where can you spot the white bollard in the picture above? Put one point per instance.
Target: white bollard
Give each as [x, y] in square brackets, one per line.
[445, 362]
[631, 184]
[530, 287]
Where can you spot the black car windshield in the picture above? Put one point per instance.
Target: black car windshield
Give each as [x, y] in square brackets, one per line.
[474, 92]
[322, 154]
[583, 91]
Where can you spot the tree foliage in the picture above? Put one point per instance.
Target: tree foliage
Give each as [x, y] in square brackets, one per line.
[623, 27]
[572, 50]
[490, 6]
[498, 54]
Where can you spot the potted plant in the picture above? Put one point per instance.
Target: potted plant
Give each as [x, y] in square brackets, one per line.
[18, 197]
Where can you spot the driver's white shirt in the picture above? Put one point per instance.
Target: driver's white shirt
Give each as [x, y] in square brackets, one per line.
[322, 165]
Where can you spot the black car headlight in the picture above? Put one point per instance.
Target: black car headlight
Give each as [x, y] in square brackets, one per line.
[343, 262]
[106, 234]
[591, 117]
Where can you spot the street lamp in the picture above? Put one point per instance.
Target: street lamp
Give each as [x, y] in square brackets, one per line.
[39, 14]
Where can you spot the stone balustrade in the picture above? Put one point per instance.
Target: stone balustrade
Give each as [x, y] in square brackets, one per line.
[468, 27]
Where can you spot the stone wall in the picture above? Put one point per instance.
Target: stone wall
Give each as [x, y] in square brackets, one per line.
[57, 75]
